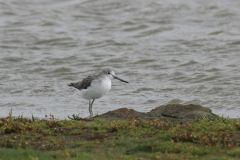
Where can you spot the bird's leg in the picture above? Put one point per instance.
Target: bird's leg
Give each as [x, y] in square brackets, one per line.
[92, 102]
[91, 106]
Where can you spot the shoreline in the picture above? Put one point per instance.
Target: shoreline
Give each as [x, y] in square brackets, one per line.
[167, 132]
[174, 112]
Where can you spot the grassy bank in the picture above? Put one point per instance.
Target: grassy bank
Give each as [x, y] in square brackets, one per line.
[21, 138]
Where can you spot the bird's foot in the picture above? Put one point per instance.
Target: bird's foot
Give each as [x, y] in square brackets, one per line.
[90, 116]
[75, 117]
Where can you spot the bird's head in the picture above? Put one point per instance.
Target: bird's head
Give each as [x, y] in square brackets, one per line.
[109, 73]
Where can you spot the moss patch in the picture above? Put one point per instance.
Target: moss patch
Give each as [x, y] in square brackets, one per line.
[134, 138]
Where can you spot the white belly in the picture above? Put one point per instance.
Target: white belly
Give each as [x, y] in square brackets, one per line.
[96, 90]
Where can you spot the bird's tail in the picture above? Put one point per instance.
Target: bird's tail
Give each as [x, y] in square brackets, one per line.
[71, 84]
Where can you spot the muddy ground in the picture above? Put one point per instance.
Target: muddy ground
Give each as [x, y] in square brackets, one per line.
[174, 112]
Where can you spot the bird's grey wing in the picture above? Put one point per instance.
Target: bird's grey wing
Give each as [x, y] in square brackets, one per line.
[84, 84]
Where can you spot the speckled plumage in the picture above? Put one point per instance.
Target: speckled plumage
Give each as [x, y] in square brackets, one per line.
[84, 84]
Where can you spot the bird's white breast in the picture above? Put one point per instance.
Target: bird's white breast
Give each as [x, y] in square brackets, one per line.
[97, 89]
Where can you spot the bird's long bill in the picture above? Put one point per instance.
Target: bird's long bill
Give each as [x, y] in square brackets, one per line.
[120, 79]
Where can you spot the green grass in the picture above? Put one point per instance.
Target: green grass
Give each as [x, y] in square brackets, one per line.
[215, 138]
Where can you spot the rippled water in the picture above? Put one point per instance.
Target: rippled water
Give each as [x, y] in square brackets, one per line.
[175, 51]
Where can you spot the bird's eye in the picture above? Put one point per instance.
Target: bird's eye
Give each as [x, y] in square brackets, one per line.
[108, 72]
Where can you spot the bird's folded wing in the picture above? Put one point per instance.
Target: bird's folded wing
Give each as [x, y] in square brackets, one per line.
[84, 84]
